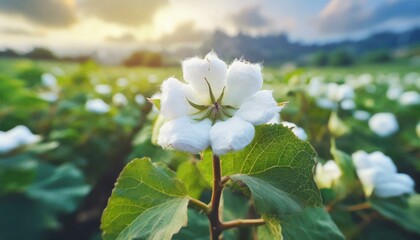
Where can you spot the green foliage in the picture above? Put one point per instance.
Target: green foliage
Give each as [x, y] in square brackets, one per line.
[148, 202]
[403, 211]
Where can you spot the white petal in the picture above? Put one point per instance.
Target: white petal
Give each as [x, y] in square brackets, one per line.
[298, 131]
[394, 185]
[383, 162]
[259, 108]
[361, 160]
[7, 143]
[242, 81]
[173, 102]
[97, 106]
[196, 70]
[185, 134]
[367, 178]
[231, 135]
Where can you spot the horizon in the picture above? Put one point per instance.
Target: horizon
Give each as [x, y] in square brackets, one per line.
[82, 27]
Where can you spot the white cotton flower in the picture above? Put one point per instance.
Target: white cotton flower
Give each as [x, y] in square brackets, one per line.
[348, 104]
[315, 87]
[218, 107]
[298, 131]
[48, 96]
[275, 119]
[103, 89]
[338, 93]
[122, 82]
[383, 124]
[361, 115]
[326, 103]
[394, 91]
[49, 80]
[326, 174]
[16, 137]
[140, 99]
[378, 175]
[152, 78]
[410, 98]
[97, 106]
[119, 99]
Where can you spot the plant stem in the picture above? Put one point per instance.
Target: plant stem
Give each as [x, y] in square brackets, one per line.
[357, 207]
[242, 223]
[200, 205]
[213, 215]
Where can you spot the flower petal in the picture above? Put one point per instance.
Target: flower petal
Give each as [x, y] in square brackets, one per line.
[174, 99]
[394, 185]
[231, 135]
[185, 134]
[242, 80]
[259, 108]
[197, 70]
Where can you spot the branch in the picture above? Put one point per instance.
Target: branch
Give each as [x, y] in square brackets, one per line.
[242, 223]
[200, 205]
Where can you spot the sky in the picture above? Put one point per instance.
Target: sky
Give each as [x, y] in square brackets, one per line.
[72, 27]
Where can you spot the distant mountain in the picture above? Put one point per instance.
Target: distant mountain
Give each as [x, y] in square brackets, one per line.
[275, 49]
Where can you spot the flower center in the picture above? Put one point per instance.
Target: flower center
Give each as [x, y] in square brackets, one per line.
[214, 111]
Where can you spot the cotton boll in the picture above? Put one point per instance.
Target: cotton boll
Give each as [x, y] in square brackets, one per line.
[49, 80]
[410, 98]
[394, 91]
[378, 175]
[348, 104]
[103, 89]
[97, 106]
[326, 103]
[140, 99]
[298, 131]
[48, 96]
[7, 143]
[326, 174]
[122, 82]
[17, 137]
[119, 99]
[383, 124]
[361, 115]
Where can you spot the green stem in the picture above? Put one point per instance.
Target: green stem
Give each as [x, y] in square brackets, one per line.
[200, 205]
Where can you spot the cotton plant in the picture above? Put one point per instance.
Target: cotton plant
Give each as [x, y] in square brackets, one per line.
[326, 174]
[16, 138]
[383, 124]
[218, 113]
[97, 105]
[378, 175]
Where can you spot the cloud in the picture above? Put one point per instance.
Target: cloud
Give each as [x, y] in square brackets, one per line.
[249, 18]
[19, 32]
[124, 38]
[184, 33]
[125, 12]
[341, 16]
[53, 13]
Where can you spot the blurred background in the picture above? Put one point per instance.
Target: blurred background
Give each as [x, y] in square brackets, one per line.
[75, 74]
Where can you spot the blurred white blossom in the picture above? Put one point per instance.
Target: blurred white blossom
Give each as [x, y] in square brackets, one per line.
[49, 80]
[383, 124]
[16, 137]
[96, 106]
[348, 104]
[326, 174]
[119, 99]
[410, 98]
[103, 89]
[298, 131]
[218, 106]
[361, 115]
[378, 175]
[122, 82]
[140, 99]
[394, 91]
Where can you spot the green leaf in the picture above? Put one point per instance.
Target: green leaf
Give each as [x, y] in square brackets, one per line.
[61, 188]
[16, 174]
[197, 228]
[348, 180]
[311, 224]
[280, 162]
[148, 202]
[403, 211]
[155, 102]
[191, 176]
[268, 199]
